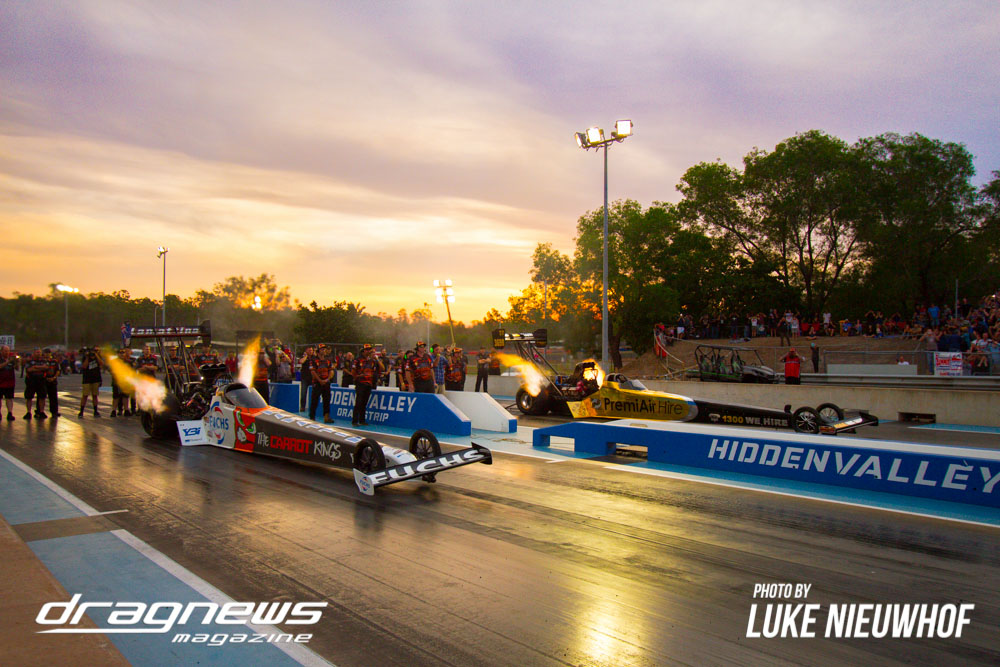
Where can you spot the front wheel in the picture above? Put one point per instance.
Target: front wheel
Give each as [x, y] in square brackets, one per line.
[830, 413]
[424, 445]
[368, 456]
[805, 420]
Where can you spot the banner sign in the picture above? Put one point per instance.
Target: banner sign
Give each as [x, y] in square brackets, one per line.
[402, 409]
[948, 363]
[949, 473]
[8, 341]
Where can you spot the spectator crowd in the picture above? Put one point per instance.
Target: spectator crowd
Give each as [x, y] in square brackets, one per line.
[970, 328]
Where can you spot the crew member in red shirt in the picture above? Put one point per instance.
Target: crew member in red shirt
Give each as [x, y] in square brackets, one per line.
[366, 371]
[8, 367]
[260, 378]
[793, 367]
[454, 374]
[420, 370]
[35, 370]
[322, 375]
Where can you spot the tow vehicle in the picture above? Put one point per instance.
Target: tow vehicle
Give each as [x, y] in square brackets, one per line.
[732, 363]
[585, 394]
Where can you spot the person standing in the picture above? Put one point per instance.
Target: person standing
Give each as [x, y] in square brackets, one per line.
[420, 370]
[261, 376]
[482, 369]
[399, 365]
[8, 370]
[793, 367]
[814, 351]
[454, 375]
[783, 332]
[366, 372]
[232, 364]
[90, 383]
[305, 375]
[347, 365]
[206, 356]
[440, 367]
[322, 375]
[52, 382]
[35, 370]
[119, 397]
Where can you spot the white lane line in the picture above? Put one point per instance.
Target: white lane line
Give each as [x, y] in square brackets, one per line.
[297, 652]
[52, 486]
[745, 487]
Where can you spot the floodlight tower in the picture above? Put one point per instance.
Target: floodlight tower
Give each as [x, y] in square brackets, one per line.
[446, 295]
[66, 289]
[162, 252]
[594, 138]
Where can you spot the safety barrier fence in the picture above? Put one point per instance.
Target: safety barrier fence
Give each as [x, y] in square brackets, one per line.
[953, 474]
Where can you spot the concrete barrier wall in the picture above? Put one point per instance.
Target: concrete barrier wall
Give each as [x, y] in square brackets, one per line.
[954, 474]
[981, 408]
[483, 410]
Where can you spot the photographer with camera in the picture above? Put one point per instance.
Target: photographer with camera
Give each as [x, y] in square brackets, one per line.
[91, 366]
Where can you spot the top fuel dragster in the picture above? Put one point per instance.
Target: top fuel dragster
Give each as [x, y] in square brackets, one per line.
[238, 418]
[583, 394]
[215, 410]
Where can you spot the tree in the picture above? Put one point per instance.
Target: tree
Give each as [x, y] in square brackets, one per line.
[340, 323]
[793, 210]
[242, 292]
[923, 212]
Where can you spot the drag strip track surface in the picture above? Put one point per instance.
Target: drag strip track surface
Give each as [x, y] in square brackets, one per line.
[524, 562]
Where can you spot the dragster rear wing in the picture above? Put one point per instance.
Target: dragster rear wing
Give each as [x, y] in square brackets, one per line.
[540, 338]
[203, 330]
[368, 483]
[849, 423]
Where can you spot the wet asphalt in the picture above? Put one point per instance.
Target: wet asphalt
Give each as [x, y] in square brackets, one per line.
[525, 562]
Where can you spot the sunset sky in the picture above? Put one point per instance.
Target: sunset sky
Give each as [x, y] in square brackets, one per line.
[359, 150]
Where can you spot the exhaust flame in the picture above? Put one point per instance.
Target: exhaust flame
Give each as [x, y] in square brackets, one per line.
[248, 364]
[595, 373]
[532, 378]
[148, 391]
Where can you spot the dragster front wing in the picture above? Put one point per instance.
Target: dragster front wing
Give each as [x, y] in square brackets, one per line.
[367, 483]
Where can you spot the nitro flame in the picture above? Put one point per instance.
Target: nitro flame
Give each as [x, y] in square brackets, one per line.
[595, 373]
[248, 364]
[148, 391]
[532, 378]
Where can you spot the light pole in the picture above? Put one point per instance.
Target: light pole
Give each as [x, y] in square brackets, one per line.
[162, 252]
[446, 295]
[427, 307]
[66, 289]
[594, 138]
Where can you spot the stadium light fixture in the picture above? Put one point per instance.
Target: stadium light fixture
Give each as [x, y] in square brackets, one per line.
[66, 290]
[162, 252]
[594, 138]
[446, 295]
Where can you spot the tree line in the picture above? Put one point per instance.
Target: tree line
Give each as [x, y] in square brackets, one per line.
[817, 224]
